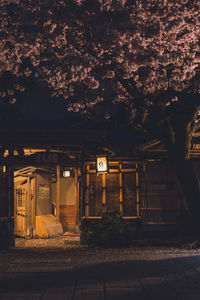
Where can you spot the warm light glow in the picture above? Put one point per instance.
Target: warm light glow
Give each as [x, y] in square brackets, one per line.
[101, 164]
[66, 173]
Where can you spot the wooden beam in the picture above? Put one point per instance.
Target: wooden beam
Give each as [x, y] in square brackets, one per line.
[34, 203]
[162, 223]
[26, 210]
[28, 207]
[100, 217]
[134, 217]
[104, 192]
[158, 209]
[15, 210]
[110, 171]
[121, 190]
[58, 192]
[137, 191]
[92, 172]
[114, 171]
[128, 170]
[87, 195]
[92, 217]
[76, 196]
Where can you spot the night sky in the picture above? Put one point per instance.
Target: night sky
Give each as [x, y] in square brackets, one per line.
[36, 108]
[38, 105]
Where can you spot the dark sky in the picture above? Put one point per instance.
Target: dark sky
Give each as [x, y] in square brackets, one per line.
[36, 108]
[37, 104]
[41, 108]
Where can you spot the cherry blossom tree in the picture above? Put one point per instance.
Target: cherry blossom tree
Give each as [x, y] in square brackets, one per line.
[143, 53]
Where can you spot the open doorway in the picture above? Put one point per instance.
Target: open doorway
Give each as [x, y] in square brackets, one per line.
[68, 206]
[33, 203]
[46, 203]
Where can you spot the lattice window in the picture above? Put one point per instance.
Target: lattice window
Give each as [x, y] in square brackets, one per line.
[20, 196]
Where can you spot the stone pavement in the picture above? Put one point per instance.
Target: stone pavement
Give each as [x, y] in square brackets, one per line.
[79, 272]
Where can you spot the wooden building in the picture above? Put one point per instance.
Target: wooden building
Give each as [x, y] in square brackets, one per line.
[139, 185]
[146, 190]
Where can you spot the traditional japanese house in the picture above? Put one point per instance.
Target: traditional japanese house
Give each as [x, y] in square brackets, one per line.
[145, 190]
[65, 175]
[44, 197]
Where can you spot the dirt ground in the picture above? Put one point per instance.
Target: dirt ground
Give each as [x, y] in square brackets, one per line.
[60, 268]
[62, 242]
[69, 246]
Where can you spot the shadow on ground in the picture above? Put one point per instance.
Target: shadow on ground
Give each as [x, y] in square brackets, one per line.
[116, 271]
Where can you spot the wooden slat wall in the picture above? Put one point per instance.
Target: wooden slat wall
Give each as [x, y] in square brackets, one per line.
[95, 195]
[67, 215]
[112, 193]
[151, 193]
[161, 196]
[161, 217]
[129, 189]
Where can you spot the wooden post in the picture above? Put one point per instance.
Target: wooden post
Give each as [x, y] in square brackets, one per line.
[15, 209]
[34, 203]
[58, 193]
[121, 190]
[28, 207]
[7, 210]
[87, 195]
[11, 191]
[76, 196]
[104, 192]
[137, 191]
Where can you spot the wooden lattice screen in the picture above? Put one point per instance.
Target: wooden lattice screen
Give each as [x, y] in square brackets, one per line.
[151, 193]
[117, 191]
[162, 201]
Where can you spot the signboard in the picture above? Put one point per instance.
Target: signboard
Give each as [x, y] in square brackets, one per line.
[43, 192]
[102, 164]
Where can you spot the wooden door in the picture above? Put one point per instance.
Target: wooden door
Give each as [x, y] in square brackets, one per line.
[20, 210]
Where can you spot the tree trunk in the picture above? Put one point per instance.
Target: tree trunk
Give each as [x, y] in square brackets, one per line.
[179, 155]
[178, 142]
[190, 184]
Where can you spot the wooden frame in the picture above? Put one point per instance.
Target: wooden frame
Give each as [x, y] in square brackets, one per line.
[121, 189]
[87, 192]
[58, 192]
[137, 191]
[119, 171]
[76, 196]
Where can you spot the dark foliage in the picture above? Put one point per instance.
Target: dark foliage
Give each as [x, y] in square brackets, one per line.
[6, 234]
[111, 231]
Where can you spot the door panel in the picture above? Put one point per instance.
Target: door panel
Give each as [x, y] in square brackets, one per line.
[129, 194]
[20, 210]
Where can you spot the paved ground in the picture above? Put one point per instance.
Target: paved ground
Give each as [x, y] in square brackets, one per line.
[62, 269]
